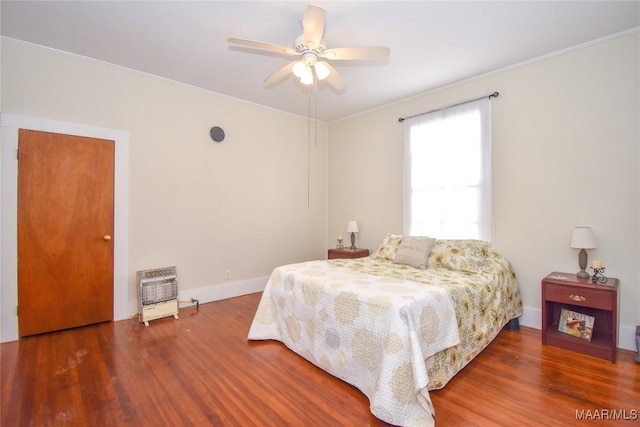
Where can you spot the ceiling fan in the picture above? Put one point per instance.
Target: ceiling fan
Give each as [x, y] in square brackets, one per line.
[311, 55]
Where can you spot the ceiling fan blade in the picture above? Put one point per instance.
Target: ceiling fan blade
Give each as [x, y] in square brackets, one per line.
[334, 78]
[356, 53]
[313, 26]
[263, 46]
[279, 75]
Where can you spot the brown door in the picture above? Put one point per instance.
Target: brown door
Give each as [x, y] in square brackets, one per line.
[65, 231]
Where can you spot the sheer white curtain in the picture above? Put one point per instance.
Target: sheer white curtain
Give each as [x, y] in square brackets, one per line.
[448, 185]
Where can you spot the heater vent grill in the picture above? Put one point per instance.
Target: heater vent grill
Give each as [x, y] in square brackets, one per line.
[157, 293]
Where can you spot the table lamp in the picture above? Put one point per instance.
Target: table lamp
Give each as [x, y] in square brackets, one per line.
[583, 239]
[352, 227]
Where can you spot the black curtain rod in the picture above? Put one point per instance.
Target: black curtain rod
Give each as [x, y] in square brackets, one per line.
[493, 95]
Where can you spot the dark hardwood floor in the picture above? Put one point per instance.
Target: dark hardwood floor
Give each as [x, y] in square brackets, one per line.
[201, 370]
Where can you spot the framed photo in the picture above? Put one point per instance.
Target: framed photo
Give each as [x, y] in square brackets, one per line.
[576, 324]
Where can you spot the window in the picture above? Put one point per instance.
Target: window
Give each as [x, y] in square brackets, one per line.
[447, 177]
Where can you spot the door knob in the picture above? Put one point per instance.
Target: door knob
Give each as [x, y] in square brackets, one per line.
[106, 238]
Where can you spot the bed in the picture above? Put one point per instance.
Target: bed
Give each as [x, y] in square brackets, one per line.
[393, 326]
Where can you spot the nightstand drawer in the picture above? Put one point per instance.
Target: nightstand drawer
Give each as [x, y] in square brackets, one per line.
[347, 253]
[584, 297]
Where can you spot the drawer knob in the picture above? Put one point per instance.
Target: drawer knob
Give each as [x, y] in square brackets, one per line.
[577, 298]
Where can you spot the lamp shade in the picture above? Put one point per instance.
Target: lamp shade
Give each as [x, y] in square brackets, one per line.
[322, 71]
[300, 69]
[583, 238]
[307, 77]
[352, 227]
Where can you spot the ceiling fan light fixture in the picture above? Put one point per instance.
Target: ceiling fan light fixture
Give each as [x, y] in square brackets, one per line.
[307, 78]
[300, 69]
[322, 71]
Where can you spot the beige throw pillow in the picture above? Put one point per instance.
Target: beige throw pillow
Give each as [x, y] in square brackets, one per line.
[414, 251]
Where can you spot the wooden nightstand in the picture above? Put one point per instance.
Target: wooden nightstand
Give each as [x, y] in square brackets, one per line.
[564, 290]
[347, 253]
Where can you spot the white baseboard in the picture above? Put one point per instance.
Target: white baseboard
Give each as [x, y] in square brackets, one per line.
[627, 337]
[532, 318]
[203, 295]
[224, 291]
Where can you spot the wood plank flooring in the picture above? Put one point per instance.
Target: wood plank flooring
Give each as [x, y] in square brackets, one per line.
[201, 370]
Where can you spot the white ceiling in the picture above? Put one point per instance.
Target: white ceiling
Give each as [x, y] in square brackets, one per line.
[433, 43]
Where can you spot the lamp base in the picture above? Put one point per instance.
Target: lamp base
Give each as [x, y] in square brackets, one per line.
[582, 275]
[353, 242]
[582, 263]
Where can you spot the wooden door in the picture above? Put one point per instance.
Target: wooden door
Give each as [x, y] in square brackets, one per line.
[65, 231]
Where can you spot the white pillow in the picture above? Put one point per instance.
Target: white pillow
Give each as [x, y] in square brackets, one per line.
[414, 251]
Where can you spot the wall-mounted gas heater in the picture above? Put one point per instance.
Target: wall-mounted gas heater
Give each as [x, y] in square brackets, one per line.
[157, 294]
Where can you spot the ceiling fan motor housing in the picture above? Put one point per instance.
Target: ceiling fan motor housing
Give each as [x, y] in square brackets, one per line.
[302, 48]
[310, 58]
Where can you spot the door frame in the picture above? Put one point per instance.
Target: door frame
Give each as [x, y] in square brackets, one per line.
[123, 306]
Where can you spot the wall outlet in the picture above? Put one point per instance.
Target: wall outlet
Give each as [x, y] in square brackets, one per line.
[227, 274]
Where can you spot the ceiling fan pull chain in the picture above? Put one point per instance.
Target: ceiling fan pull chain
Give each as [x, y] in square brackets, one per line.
[309, 153]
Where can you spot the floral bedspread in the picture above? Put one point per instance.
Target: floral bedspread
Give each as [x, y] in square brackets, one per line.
[391, 330]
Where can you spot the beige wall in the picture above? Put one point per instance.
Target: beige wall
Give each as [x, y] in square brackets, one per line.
[241, 205]
[566, 138]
